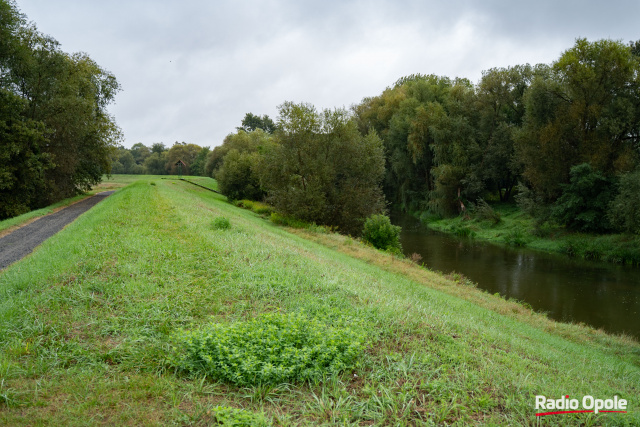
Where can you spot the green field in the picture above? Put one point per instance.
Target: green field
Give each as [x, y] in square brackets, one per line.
[95, 323]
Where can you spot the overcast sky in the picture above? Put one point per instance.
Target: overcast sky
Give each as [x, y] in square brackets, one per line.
[191, 69]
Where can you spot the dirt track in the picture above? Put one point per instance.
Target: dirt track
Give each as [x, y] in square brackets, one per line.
[20, 243]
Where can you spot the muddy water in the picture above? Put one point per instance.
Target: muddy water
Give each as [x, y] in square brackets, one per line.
[601, 295]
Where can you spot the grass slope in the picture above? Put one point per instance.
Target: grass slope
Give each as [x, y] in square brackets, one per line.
[86, 326]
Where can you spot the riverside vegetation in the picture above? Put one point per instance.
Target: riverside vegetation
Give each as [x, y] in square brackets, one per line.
[505, 223]
[103, 323]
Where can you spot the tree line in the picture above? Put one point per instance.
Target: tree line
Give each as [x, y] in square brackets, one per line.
[56, 134]
[158, 160]
[562, 140]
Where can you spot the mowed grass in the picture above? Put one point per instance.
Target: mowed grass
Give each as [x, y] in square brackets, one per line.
[87, 325]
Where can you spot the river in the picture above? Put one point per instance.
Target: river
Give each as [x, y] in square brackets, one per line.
[602, 295]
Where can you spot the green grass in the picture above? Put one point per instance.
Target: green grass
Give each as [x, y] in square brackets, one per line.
[516, 228]
[124, 179]
[205, 181]
[112, 182]
[89, 320]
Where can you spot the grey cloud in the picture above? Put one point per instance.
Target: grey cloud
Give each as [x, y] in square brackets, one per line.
[190, 70]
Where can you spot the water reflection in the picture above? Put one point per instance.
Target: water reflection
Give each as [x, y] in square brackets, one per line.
[602, 295]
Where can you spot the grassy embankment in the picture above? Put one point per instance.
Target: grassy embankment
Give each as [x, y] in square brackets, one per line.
[517, 228]
[109, 183]
[86, 326]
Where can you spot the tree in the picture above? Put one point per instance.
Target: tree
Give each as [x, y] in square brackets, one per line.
[64, 100]
[156, 163]
[252, 122]
[584, 202]
[237, 178]
[635, 47]
[455, 152]
[584, 109]
[238, 158]
[158, 147]
[22, 160]
[320, 169]
[140, 152]
[405, 116]
[125, 163]
[501, 111]
[127, 160]
[242, 141]
[182, 151]
[198, 165]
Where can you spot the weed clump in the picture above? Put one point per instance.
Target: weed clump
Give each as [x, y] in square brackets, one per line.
[227, 416]
[221, 223]
[270, 349]
[516, 237]
[462, 230]
[379, 231]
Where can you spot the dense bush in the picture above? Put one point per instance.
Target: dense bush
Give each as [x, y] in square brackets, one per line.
[270, 349]
[585, 200]
[379, 231]
[624, 211]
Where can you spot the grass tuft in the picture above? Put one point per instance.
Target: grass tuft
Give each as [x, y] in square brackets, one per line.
[221, 223]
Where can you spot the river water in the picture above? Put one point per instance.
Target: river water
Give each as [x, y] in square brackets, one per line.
[602, 295]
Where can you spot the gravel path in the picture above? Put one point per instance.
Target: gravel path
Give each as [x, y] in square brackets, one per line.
[24, 240]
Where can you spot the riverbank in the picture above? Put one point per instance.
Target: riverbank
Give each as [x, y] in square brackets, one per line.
[89, 323]
[510, 226]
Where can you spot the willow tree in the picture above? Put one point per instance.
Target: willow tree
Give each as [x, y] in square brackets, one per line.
[405, 117]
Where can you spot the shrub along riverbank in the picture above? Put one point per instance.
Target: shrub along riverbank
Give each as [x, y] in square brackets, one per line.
[504, 223]
[98, 327]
